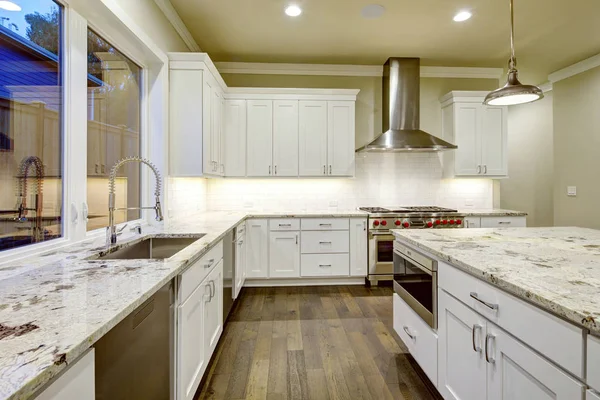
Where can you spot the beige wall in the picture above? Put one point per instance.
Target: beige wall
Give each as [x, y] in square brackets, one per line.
[151, 19]
[368, 105]
[529, 187]
[577, 149]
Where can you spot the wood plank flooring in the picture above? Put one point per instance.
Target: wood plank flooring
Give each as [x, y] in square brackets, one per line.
[327, 342]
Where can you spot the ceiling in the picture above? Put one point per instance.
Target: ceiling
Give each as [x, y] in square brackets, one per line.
[550, 34]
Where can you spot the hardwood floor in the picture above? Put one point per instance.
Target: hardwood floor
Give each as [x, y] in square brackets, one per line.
[329, 342]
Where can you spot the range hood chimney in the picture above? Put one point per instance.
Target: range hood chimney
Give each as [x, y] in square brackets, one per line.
[401, 85]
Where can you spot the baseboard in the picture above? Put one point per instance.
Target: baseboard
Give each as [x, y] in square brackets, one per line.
[321, 281]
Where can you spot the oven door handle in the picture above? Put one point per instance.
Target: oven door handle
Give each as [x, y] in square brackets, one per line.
[382, 234]
[413, 262]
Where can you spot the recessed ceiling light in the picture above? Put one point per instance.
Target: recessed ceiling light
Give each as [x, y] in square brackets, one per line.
[462, 16]
[372, 11]
[9, 6]
[293, 10]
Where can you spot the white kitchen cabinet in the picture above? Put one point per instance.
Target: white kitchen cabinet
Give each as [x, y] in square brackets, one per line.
[285, 138]
[358, 247]
[313, 138]
[593, 361]
[259, 141]
[592, 395]
[325, 242]
[340, 138]
[234, 135]
[75, 383]
[284, 254]
[211, 105]
[479, 131]
[213, 310]
[314, 265]
[503, 222]
[516, 372]
[240, 260]
[462, 367]
[257, 248]
[472, 222]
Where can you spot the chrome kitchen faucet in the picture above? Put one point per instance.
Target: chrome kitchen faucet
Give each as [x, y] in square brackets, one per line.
[111, 230]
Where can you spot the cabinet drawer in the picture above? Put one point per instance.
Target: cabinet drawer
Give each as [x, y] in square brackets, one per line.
[325, 242]
[423, 343]
[325, 265]
[472, 222]
[503, 222]
[328, 224]
[284, 224]
[593, 362]
[192, 277]
[523, 320]
[240, 229]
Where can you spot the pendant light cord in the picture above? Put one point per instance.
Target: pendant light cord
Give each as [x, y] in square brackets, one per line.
[512, 63]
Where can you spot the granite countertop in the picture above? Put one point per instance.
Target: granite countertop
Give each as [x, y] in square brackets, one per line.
[491, 212]
[557, 269]
[55, 306]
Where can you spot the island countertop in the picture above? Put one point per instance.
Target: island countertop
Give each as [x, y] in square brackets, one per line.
[557, 269]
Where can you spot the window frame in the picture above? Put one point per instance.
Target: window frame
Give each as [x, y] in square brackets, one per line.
[108, 20]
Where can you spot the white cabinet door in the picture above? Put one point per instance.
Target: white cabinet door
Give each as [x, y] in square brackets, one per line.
[259, 139]
[285, 138]
[257, 248]
[503, 222]
[516, 372]
[592, 395]
[340, 138]
[461, 362]
[234, 136]
[191, 355]
[213, 311]
[186, 120]
[284, 254]
[472, 222]
[208, 124]
[215, 133]
[494, 132]
[76, 383]
[313, 138]
[466, 128]
[240, 265]
[358, 247]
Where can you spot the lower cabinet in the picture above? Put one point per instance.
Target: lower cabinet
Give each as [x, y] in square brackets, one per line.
[478, 360]
[359, 245]
[257, 248]
[284, 254]
[200, 324]
[76, 383]
[495, 222]
[240, 262]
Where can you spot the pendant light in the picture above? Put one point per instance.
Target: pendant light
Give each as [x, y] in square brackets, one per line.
[514, 92]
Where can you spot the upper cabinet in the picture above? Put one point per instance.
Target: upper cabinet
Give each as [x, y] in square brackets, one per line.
[255, 132]
[479, 131]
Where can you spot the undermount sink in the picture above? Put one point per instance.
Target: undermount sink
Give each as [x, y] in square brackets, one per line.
[150, 249]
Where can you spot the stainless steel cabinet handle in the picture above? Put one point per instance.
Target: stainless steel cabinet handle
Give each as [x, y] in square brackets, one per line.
[504, 223]
[285, 224]
[269, 170]
[364, 225]
[103, 167]
[479, 169]
[324, 224]
[276, 170]
[476, 348]
[324, 265]
[97, 168]
[413, 337]
[491, 306]
[485, 169]
[487, 355]
[324, 171]
[210, 295]
[214, 289]
[210, 263]
[296, 239]
[324, 242]
[329, 169]
[241, 242]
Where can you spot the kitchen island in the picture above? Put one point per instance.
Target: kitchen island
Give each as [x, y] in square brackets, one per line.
[517, 311]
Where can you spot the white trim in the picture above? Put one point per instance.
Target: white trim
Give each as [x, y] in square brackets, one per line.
[321, 281]
[546, 87]
[351, 70]
[575, 69]
[194, 61]
[244, 93]
[465, 96]
[167, 8]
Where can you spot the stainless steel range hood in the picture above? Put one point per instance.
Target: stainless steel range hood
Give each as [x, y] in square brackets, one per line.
[401, 85]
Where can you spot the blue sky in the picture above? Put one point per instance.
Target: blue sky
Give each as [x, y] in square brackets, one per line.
[28, 7]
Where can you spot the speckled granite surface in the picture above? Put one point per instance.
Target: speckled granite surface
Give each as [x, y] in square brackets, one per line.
[491, 212]
[557, 269]
[54, 307]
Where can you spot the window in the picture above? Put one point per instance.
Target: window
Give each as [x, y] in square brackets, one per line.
[31, 109]
[114, 96]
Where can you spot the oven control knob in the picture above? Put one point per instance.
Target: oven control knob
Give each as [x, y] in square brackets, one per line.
[397, 223]
[406, 224]
[429, 224]
[444, 222]
[458, 222]
[437, 221]
[451, 222]
[383, 223]
[375, 223]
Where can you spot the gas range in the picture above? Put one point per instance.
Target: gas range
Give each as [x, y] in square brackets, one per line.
[420, 217]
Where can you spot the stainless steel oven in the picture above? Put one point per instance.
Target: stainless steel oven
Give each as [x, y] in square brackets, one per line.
[415, 281]
[381, 256]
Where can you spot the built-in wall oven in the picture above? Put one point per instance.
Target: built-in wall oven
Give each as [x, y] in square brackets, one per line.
[381, 256]
[415, 281]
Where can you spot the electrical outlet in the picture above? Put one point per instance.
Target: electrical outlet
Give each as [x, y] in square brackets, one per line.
[572, 191]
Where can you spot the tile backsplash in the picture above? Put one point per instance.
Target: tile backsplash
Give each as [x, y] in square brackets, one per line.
[381, 179]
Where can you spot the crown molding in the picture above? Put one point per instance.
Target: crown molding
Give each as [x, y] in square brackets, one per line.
[575, 69]
[167, 8]
[350, 70]
[546, 87]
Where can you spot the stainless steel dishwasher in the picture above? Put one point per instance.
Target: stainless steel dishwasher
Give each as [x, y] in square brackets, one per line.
[134, 359]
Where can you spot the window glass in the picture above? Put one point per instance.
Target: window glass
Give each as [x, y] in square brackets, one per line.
[114, 95]
[30, 122]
